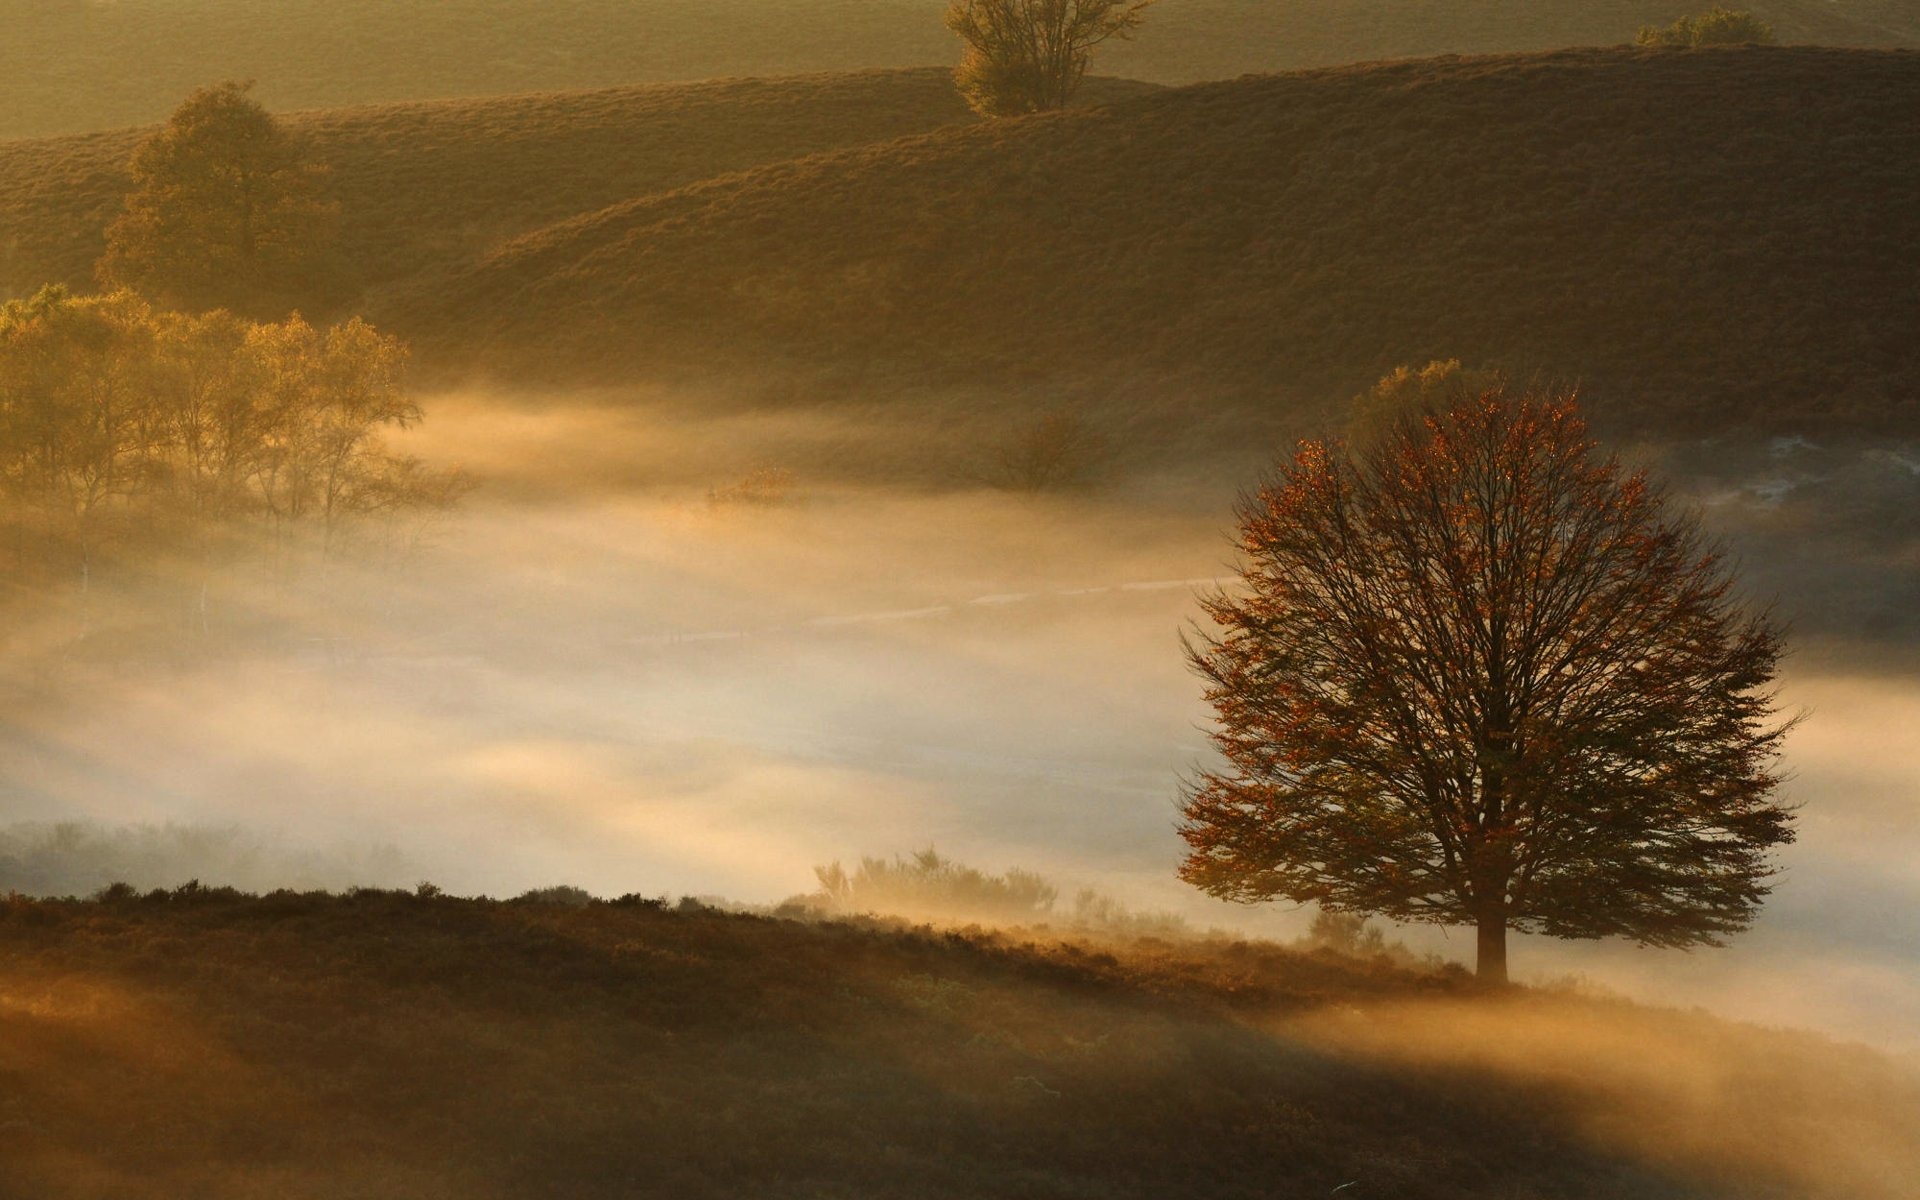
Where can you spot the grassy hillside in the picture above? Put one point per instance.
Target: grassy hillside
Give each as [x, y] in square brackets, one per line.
[424, 186]
[77, 65]
[1699, 236]
[383, 1044]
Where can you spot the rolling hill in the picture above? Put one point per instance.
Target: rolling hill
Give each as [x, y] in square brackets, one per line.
[399, 1045]
[426, 186]
[69, 66]
[1699, 237]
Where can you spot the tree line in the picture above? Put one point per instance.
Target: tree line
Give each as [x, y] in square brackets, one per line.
[186, 418]
[127, 431]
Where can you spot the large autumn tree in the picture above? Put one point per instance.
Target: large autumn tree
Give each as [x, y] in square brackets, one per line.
[1481, 674]
[226, 211]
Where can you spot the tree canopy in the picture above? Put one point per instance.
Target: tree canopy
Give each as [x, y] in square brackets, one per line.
[1481, 674]
[225, 211]
[168, 434]
[1026, 56]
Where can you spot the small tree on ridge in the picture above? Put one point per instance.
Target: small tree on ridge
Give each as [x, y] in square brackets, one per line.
[1481, 675]
[1026, 56]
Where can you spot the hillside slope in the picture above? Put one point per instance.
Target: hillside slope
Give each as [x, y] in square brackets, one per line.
[385, 1044]
[428, 185]
[70, 66]
[1698, 236]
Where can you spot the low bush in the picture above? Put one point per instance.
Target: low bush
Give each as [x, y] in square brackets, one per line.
[1717, 26]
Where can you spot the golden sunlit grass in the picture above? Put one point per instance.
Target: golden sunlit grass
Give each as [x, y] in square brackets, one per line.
[426, 187]
[1698, 237]
[1712, 1097]
[393, 1045]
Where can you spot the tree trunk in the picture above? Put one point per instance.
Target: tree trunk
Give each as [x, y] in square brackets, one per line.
[1491, 968]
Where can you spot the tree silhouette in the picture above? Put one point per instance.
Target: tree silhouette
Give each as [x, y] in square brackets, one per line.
[1480, 674]
[1026, 56]
[225, 211]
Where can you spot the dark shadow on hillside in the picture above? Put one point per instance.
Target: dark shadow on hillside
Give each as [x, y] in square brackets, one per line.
[398, 1045]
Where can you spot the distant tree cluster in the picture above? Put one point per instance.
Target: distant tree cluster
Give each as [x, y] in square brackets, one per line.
[1027, 56]
[1716, 27]
[225, 212]
[125, 426]
[926, 886]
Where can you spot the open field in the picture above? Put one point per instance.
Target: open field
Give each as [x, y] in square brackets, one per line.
[390, 1045]
[426, 187]
[1287, 239]
[68, 66]
[1233, 246]
[793, 467]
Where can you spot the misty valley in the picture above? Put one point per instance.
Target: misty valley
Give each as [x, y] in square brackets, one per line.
[600, 605]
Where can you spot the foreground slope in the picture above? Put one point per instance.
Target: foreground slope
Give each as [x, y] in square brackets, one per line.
[1698, 236]
[423, 186]
[392, 1045]
[77, 65]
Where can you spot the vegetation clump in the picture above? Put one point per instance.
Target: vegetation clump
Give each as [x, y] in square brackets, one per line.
[1718, 26]
[762, 487]
[226, 211]
[1028, 56]
[1054, 451]
[563, 894]
[927, 886]
[130, 434]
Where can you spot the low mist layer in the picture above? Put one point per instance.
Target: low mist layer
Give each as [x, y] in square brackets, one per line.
[689, 649]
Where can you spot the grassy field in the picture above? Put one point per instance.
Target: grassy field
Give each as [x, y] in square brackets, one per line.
[396, 1046]
[423, 187]
[1703, 239]
[77, 65]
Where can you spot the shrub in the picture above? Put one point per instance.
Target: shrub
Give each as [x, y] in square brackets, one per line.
[1346, 933]
[1055, 451]
[562, 894]
[1717, 26]
[762, 487]
[1027, 56]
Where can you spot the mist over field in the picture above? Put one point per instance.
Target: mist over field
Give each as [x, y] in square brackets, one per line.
[615, 598]
[612, 669]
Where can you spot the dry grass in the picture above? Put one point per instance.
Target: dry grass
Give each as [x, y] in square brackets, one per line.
[394, 1045]
[1703, 238]
[424, 187]
[75, 65]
